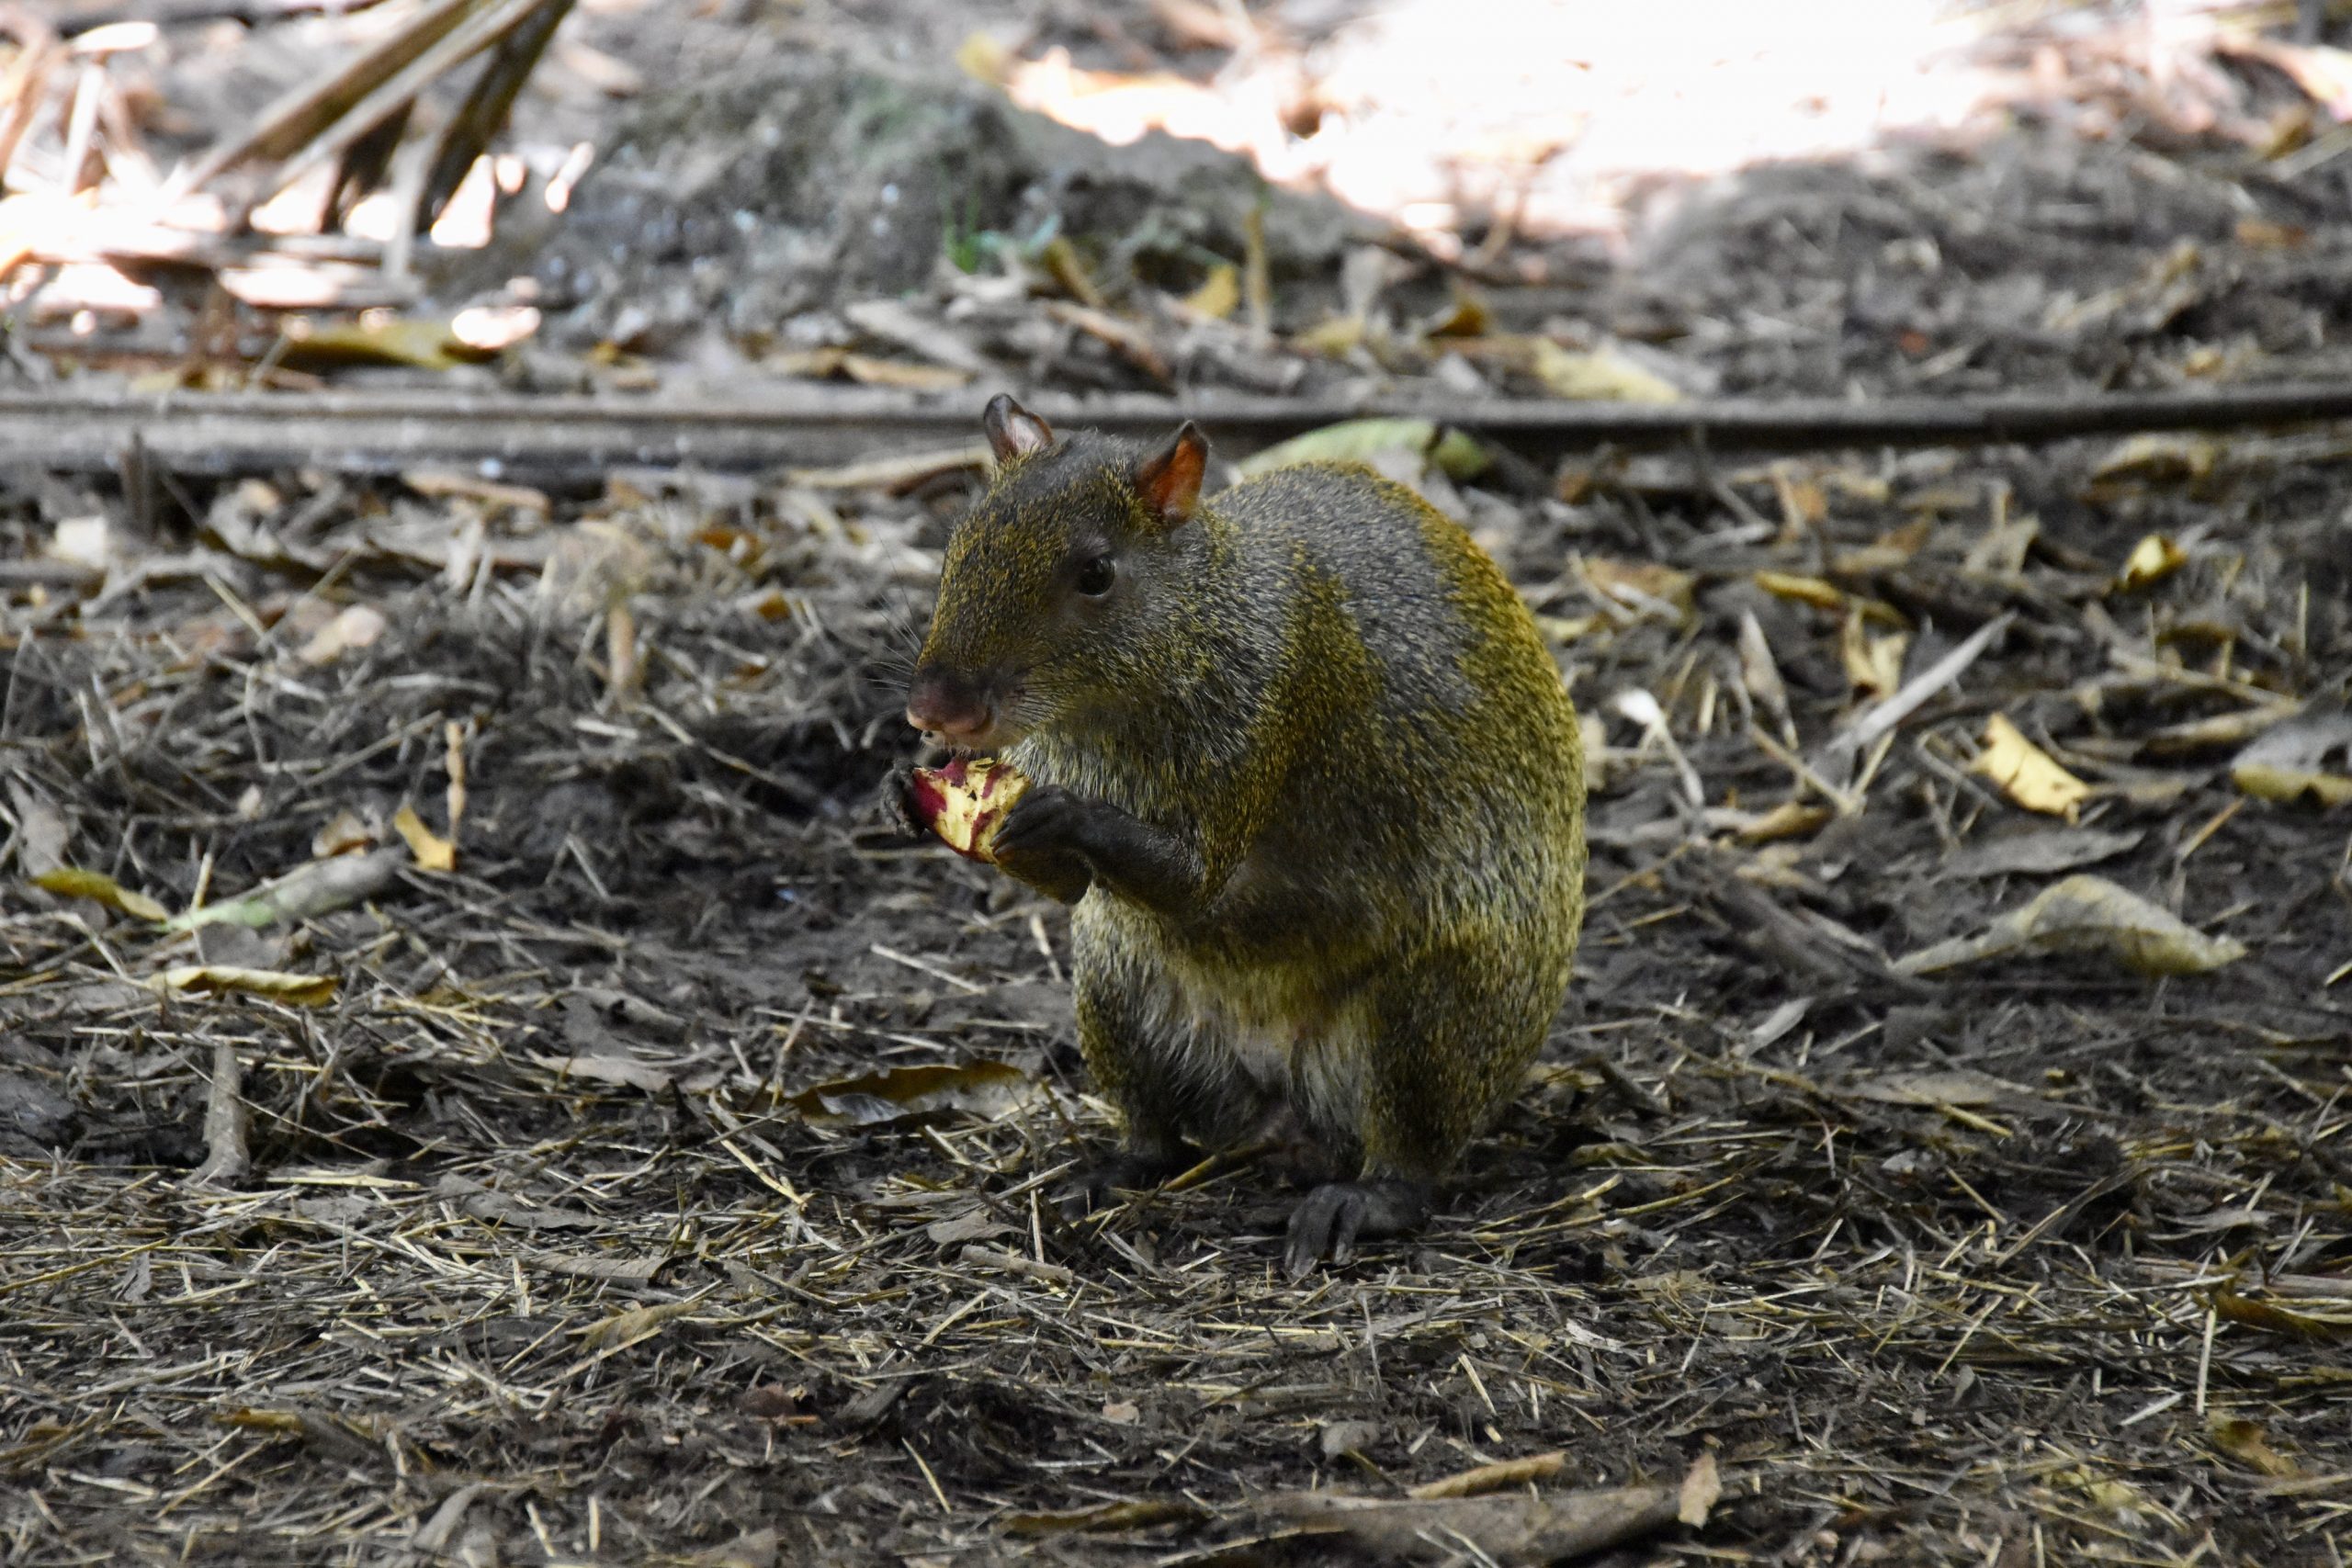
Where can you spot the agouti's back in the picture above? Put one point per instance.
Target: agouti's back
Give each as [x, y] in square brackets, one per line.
[1462, 775]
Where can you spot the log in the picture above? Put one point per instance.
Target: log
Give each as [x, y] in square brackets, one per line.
[517, 435]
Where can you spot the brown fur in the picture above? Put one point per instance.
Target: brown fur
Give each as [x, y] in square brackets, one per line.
[1354, 762]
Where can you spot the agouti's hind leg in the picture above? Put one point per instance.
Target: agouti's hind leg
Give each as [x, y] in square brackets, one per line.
[1168, 1084]
[1445, 1040]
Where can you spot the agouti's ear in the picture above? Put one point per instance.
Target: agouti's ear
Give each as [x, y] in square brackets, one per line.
[1013, 430]
[1168, 481]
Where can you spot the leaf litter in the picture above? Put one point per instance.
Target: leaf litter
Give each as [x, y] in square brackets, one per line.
[2039, 1256]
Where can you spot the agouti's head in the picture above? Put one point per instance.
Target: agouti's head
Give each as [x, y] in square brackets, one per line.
[1058, 586]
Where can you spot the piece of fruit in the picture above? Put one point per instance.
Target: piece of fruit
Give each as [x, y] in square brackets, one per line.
[964, 803]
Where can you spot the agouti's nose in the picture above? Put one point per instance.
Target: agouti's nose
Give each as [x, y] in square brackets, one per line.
[948, 709]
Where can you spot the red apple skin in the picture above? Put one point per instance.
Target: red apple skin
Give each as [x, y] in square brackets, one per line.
[968, 797]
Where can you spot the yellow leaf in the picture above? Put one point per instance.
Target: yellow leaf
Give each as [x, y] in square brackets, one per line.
[2087, 914]
[984, 58]
[2327, 1323]
[278, 985]
[1465, 315]
[2310, 755]
[1874, 664]
[1339, 336]
[981, 1087]
[433, 853]
[1455, 453]
[382, 338]
[1813, 591]
[635, 1323]
[2026, 772]
[2244, 1441]
[345, 832]
[1640, 584]
[2154, 458]
[1786, 820]
[72, 882]
[1219, 294]
[1602, 376]
[2152, 559]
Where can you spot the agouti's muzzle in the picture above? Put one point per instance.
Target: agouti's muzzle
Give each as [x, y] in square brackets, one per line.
[938, 703]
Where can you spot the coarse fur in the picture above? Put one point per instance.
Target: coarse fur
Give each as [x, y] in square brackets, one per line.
[1320, 794]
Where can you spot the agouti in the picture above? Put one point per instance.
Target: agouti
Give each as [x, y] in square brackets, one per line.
[1302, 764]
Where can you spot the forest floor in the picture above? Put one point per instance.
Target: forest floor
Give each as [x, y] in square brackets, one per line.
[493, 1094]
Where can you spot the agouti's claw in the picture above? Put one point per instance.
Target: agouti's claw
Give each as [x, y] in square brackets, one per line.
[1333, 1217]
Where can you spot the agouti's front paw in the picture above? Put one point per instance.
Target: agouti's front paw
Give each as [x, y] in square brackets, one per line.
[894, 805]
[1336, 1216]
[1046, 820]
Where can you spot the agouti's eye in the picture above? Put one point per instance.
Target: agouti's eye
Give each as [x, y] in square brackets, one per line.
[1096, 577]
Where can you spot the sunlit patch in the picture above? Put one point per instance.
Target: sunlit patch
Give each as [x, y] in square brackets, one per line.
[1560, 112]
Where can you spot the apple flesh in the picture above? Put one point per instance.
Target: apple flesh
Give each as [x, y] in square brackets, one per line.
[964, 803]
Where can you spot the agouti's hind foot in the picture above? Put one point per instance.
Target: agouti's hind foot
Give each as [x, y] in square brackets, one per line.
[1094, 1186]
[1336, 1216]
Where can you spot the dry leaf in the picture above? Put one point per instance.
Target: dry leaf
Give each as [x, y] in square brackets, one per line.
[1219, 294]
[2091, 915]
[1483, 1478]
[1873, 664]
[70, 882]
[1509, 1528]
[869, 371]
[981, 1087]
[2040, 852]
[1760, 673]
[2306, 757]
[41, 831]
[629, 1073]
[318, 889]
[1814, 591]
[1790, 820]
[343, 832]
[2244, 1441]
[1452, 452]
[433, 853]
[1889, 552]
[379, 337]
[85, 541]
[1803, 504]
[2154, 459]
[2152, 559]
[1646, 586]
[2027, 774]
[1141, 1513]
[1334, 338]
[894, 476]
[1961, 1086]
[628, 1327]
[1605, 375]
[277, 984]
[2276, 1318]
[356, 627]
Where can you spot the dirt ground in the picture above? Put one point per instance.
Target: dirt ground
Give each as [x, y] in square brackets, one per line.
[662, 1180]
